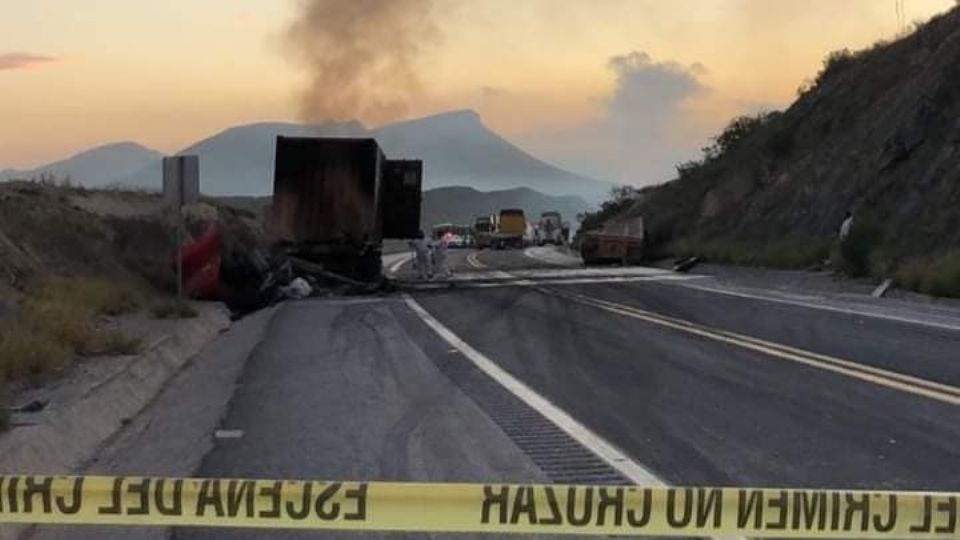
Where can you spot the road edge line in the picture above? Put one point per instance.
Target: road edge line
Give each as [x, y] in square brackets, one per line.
[823, 307]
[606, 451]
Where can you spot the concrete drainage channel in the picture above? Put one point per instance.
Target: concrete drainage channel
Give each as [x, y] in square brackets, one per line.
[561, 457]
[557, 454]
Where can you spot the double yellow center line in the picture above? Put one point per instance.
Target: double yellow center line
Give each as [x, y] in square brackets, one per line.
[890, 379]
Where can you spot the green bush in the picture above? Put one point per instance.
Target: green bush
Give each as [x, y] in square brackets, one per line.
[780, 253]
[937, 275]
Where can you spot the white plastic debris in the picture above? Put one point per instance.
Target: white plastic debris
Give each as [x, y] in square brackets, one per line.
[298, 288]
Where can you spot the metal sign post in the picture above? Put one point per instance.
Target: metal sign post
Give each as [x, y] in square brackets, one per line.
[181, 186]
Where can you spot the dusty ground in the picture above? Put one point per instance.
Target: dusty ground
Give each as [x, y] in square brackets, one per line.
[112, 234]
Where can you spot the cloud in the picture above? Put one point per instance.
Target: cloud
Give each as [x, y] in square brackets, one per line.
[644, 128]
[21, 60]
[492, 91]
[648, 99]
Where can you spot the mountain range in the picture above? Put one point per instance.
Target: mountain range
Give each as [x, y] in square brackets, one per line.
[457, 149]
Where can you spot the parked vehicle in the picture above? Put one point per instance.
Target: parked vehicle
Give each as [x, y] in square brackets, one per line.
[336, 199]
[484, 229]
[619, 242]
[550, 229]
[512, 226]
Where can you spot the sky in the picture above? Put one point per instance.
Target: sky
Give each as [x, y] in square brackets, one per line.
[616, 89]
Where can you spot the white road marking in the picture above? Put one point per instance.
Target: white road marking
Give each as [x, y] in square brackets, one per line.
[511, 281]
[228, 434]
[825, 307]
[395, 266]
[590, 440]
[552, 255]
[890, 379]
[473, 261]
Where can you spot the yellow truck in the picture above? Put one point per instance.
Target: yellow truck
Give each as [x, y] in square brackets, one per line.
[511, 229]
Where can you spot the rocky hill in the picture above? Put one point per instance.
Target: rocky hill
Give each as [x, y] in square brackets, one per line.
[877, 132]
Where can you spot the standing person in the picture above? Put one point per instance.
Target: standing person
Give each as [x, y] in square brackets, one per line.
[440, 255]
[421, 249]
[846, 225]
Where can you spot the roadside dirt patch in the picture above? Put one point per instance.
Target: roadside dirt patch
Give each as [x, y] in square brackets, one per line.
[49, 230]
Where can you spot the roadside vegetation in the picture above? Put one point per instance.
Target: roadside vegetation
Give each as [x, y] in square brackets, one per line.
[784, 253]
[937, 275]
[58, 321]
[771, 189]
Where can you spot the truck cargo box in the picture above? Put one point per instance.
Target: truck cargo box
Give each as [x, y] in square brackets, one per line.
[325, 191]
[402, 181]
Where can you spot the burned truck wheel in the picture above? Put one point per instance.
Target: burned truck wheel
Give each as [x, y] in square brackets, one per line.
[370, 266]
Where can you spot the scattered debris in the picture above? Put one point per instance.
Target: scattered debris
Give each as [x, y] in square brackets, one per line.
[298, 289]
[34, 406]
[685, 265]
[882, 289]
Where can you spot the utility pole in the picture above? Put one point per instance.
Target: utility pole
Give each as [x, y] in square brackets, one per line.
[181, 186]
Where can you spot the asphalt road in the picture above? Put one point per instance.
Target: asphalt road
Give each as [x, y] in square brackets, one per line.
[693, 386]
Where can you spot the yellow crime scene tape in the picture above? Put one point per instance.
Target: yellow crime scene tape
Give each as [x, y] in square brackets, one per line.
[478, 508]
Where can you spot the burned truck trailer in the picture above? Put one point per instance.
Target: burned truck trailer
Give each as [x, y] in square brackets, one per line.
[336, 199]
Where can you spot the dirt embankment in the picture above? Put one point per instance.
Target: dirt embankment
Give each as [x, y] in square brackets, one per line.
[77, 266]
[119, 235]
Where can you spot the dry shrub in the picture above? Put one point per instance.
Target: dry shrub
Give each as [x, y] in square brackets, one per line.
[937, 276]
[101, 296]
[28, 354]
[116, 343]
[173, 309]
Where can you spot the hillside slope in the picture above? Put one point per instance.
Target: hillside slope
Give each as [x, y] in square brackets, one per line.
[877, 133]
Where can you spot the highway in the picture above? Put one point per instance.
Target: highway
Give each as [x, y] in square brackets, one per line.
[528, 368]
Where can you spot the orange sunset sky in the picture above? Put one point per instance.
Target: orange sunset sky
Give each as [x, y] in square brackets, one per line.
[614, 88]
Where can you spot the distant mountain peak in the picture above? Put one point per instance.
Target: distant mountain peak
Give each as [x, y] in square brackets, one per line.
[457, 119]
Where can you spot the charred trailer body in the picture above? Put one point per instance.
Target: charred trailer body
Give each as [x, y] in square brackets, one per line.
[335, 200]
[402, 185]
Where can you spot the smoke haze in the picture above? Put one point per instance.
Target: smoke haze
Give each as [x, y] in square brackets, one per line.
[361, 56]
